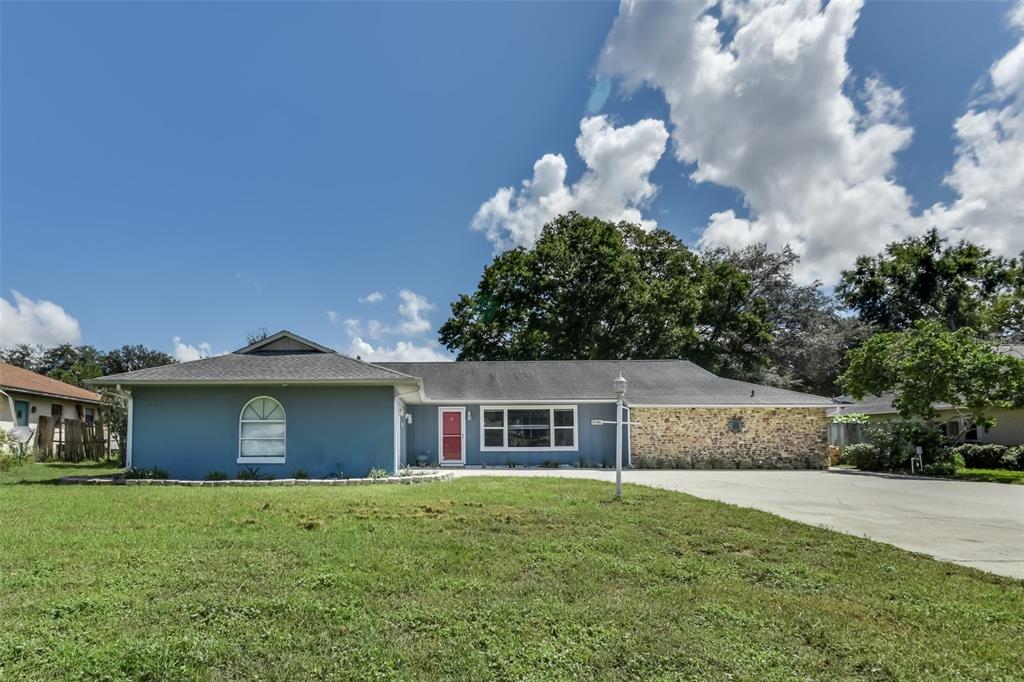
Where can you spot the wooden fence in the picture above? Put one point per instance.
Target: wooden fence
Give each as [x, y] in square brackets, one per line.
[71, 440]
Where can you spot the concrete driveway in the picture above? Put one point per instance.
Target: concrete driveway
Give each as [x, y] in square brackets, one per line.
[974, 524]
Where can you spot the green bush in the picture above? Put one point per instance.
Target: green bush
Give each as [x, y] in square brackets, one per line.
[154, 473]
[982, 455]
[300, 473]
[1013, 458]
[249, 473]
[895, 442]
[377, 472]
[8, 460]
[945, 463]
[216, 476]
[864, 456]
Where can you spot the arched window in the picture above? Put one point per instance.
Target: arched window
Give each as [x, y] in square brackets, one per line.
[261, 430]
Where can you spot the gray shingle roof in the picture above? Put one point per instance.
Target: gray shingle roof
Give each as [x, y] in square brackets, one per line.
[651, 382]
[287, 357]
[255, 367]
[875, 404]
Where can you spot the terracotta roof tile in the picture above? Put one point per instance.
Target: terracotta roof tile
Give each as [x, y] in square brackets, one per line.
[18, 379]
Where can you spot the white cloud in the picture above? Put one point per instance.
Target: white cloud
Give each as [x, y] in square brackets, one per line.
[184, 352]
[615, 186]
[988, 174]
[36, 322]
[332, 316]
[411, 309]
[881, 102]
[373, 328]
[372, 297]
[766, 113]
[353, 326]
[403, 351]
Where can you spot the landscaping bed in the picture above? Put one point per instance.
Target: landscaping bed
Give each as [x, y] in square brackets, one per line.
[473, 579]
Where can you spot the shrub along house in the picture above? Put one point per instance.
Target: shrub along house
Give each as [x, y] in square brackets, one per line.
[286, 403]
[954, 422]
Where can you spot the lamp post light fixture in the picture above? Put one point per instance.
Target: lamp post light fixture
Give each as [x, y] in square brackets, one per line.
[619, 386]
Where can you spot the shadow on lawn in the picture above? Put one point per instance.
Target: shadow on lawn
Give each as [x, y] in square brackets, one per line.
[51, 473]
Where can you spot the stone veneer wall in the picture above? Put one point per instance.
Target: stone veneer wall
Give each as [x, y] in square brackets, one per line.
[700, 438]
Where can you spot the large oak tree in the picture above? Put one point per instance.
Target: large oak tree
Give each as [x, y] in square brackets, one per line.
[810, 336]
[592, 289]
[924, 278]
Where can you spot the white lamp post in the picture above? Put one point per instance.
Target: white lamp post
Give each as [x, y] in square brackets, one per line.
[619, 386]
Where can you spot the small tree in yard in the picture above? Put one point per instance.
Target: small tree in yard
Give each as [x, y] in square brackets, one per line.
[115, 402]
[115, 413]
[929, 364]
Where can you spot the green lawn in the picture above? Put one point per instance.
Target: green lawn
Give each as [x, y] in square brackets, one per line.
[992, 475]
[472, 579]
[52, 472]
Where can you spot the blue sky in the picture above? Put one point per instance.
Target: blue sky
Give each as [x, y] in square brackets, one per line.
[189, 171]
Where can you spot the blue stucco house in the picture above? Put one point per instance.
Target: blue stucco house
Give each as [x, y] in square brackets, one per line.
[286, 403]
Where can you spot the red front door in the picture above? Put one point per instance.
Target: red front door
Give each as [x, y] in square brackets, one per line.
[451, 437]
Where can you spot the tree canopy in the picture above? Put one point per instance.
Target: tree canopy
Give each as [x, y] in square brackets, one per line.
[255, 335]
[77, 364]
[923, 278]
[592, 289]
[929, 364]
[809, 336]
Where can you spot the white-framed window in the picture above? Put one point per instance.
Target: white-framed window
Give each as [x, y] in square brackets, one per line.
[528, 427]
[261, 432]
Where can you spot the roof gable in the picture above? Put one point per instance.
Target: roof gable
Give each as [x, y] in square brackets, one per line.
[283, 357]
[286, 341]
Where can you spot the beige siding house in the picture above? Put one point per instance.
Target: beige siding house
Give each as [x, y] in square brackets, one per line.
[27, 396]
[1008, 430]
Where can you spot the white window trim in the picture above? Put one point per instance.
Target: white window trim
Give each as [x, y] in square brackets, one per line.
[262, 460]
[551, 428]
[440, 436]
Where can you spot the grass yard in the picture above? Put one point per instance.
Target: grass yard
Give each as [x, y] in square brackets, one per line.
[472, 579]
[52, 472]
[991, 475]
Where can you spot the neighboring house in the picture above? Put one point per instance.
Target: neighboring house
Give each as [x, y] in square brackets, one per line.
[1008, 430]
[286, 403]
[30, 395]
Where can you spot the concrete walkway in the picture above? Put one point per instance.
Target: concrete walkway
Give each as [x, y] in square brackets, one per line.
[974, 524]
